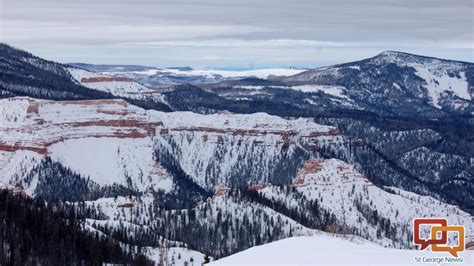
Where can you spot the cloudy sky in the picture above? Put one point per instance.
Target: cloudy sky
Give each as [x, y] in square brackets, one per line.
[236, 33]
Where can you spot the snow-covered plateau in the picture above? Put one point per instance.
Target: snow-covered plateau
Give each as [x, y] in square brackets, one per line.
[110, 141]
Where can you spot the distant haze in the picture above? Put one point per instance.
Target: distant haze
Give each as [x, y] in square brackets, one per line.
[237, 33]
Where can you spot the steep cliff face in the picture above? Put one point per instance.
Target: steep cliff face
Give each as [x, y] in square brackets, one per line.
[108, 141]
[113, 142]
[234, 150]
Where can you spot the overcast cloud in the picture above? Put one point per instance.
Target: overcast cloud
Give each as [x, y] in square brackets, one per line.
[237, 33]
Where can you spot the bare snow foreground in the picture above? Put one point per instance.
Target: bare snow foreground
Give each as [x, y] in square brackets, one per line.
[328, 250]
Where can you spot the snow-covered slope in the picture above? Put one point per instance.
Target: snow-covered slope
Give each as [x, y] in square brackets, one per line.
[326, 195]
[335, 94]
[328, 250]
[175, 256]
[118, 86]
[215, 224]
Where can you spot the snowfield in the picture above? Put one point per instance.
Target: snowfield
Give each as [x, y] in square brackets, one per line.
[337, 91]
[175, 256]
[112, 161]
[329, 250]
[440, 82]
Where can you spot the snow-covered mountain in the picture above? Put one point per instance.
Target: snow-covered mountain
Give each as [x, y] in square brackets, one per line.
[400, 80]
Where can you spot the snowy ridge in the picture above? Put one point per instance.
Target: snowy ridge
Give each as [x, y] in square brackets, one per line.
[118, 86]
[331, 72]
[36, 124]
[331, 90]
[257, 123]
[411, 59]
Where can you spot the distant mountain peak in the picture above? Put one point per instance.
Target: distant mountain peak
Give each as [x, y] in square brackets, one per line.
[390, 53]
[397, 57]
[403, 58]
[6, 46]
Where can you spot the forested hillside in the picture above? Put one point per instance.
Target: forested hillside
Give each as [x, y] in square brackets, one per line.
[35, 233]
